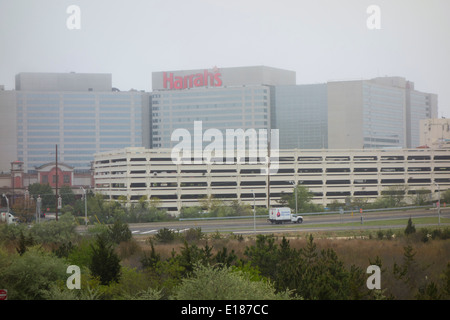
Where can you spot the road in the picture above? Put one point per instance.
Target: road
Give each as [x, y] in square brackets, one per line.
[316, 222]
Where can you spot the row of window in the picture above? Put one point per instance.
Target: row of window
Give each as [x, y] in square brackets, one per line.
[286, 183]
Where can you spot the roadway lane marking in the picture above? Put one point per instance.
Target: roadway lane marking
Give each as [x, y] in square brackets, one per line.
[150, 231]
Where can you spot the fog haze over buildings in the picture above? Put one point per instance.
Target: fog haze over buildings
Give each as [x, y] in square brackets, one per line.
[320, 40]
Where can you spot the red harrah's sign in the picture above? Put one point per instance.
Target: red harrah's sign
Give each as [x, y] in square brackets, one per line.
[205, 79]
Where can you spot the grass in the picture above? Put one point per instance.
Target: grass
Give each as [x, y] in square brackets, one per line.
[389, 223]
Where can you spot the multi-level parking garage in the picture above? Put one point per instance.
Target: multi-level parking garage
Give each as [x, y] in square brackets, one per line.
[331, 175]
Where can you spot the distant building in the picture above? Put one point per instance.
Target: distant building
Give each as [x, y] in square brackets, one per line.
[377, 113]
[81, 113]
[331, 175]
[49, 174]
[8, 129]
[225, 98]
[435, 133]
[15, 183]
[301, 115]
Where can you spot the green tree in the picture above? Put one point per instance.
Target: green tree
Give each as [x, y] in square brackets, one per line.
[67, 195]
[212, 205]
[165, 235]
[304, 200]
[323, 276]
[45, 192]
[104, 263]
[263, 255]
[421, 197]
[240, 209]
[119, 232]
[410, 228]
[209, 283]
[152, 259]
[191, 212]
[392, 197]
[29, 276]
[24, 243]
[446, 196]
[57, 232]
[224, 258]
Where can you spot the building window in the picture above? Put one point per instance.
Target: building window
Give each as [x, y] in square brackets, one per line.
[66, 178]
[45, 179]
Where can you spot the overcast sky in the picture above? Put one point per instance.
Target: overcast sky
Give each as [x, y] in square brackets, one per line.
[321, 40]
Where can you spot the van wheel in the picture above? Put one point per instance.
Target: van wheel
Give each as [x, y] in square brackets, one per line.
[299, 220]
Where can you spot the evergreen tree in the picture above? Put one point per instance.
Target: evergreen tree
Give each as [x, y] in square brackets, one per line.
[119, 232]
[104, 264]
[264, 255]
[24, 242]
[410, 228]
[150, 261]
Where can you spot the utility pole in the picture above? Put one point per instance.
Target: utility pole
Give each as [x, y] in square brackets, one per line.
[296, 207]
[56, 161]
[85, 205]
[254, 212]
[439, 203]
[268, 170]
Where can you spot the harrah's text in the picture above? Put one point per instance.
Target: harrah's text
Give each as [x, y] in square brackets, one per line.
[205, 79]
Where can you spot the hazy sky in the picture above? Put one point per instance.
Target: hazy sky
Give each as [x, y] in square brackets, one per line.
[321, 40]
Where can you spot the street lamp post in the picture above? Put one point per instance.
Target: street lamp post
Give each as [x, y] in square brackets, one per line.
[295, 186]
[439, 204]
[7, 201]
[254, 213]
[85, 205]
[56, 196]
[38, 208]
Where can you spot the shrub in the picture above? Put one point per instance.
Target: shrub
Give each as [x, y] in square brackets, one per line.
[194, 234]
[58, 232]
[30, 276]
[119, 232]
[165, 235]
[209, 283]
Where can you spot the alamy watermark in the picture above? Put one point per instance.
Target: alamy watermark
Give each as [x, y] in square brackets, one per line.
[73, 281]
[73, 21]
[239, 146]
[373, 22]
[374, 280]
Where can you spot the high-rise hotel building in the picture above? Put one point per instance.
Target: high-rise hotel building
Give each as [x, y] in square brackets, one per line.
[363, 114]
[84, 114]
[81, 113]
[377, 113]
[228, 98]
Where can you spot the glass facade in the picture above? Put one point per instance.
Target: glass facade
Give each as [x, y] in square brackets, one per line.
[384, 122]
[216, 108]
[301, 115]
[80, 123]
[419, 109]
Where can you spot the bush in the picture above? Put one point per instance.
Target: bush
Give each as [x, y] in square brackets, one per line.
[31, 275]
[165, 235]
[119, 232]
[61, 231]
[194, 234]
[209, 283]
